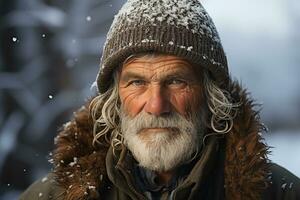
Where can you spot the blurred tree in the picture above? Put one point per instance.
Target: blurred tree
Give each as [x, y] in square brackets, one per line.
[49, 55]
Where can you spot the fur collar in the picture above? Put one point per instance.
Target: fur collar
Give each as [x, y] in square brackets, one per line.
[79, 167]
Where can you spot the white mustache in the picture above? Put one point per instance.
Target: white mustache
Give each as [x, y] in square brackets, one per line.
[145, 121]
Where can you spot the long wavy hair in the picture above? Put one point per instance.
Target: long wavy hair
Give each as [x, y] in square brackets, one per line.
[105, 111]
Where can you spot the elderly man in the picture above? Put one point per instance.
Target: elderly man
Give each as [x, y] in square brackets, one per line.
[168, 122]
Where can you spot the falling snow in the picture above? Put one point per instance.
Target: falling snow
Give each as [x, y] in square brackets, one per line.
[88, 18]
[44, 179]
[50, 96]
[70, 63]
[14, 39]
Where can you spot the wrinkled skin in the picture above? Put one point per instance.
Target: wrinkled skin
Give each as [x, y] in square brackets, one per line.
[159, 85]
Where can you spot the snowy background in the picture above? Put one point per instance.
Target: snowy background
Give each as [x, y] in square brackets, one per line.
[49, 55]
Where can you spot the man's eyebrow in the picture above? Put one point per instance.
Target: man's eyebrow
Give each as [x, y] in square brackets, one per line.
[131, 75]
[179, 73]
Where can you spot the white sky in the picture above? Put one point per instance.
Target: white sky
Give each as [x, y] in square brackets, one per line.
[262, 42]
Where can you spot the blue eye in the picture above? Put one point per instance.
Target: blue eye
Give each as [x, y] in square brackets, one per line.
[137, 82]
[175, 82]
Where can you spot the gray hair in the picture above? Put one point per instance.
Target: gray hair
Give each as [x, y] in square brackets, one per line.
[105, 111]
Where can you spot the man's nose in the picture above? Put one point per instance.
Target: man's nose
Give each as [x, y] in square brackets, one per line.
[157, 101]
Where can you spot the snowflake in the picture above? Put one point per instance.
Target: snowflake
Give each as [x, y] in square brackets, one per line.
[88, 18]
[44, 179]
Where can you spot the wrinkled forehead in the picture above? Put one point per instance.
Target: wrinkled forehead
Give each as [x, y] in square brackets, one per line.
[158, 59]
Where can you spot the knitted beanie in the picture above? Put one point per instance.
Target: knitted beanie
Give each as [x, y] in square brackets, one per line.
[177, 27]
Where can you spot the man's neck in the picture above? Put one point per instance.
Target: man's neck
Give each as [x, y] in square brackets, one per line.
[165, 177]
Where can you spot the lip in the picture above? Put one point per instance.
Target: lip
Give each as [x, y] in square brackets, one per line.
[154, 130]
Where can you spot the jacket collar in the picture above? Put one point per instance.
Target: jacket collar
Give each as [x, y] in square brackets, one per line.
[120, 169]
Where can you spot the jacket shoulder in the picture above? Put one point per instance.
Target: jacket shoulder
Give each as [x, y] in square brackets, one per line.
[43, 189]
[284, 185]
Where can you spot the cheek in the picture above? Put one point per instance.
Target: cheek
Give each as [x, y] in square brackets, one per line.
[130, 101]
[186, 101]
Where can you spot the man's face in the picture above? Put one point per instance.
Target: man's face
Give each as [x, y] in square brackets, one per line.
[160, 99]
[159, 85]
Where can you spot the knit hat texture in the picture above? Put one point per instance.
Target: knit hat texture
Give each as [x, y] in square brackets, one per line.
[176, 27]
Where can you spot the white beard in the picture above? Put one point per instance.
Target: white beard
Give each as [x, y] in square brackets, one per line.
[162, 151]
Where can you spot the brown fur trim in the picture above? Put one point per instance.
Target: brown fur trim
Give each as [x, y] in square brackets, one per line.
[246, 163]
[80, 167]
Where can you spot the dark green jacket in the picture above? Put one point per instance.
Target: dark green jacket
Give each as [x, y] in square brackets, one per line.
[285, 186]
[234, 167]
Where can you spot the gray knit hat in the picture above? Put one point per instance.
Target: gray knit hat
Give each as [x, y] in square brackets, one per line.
[177, 27]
